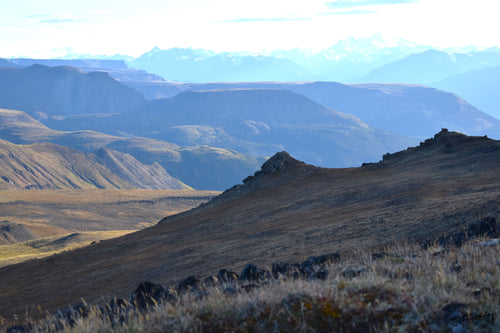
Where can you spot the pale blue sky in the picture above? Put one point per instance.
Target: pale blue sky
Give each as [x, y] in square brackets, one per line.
[48, 28]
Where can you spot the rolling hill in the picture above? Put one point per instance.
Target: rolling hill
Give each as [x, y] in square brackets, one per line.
[286, 212]
[49, 166]
[201, 167]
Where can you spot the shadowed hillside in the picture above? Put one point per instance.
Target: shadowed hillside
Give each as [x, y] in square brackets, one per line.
[63, 91]
[286, 212]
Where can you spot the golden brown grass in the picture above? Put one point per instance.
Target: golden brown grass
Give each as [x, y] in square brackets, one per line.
[409, 290]
[43, 247]
[53, 212]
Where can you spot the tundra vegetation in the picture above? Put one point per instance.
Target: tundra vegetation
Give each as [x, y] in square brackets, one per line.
[402, 288]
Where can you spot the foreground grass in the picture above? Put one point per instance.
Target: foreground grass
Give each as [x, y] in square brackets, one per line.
[47, 246]
[403, 289]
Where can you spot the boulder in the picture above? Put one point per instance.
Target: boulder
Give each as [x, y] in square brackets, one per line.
[188, 284]
[285, 270]
[149, 294]
[225, 276]
[251, 273]
[320, 260]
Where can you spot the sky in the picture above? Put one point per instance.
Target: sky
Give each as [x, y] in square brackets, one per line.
[52, 28]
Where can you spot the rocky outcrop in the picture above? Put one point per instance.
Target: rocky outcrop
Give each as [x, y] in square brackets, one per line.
[279, 163]
[486, 227]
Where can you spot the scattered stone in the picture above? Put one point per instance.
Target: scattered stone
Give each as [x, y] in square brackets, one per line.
[251, 273]
[285, 270]
[149, 294]
[486, 227]
[188, 284]
[323, 259]
[225, 276]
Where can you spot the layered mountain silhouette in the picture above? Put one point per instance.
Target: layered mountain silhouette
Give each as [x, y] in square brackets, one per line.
[207, 66]
[410, 110]
[211, 135]
[253, 122]
[62, 91]
[477, 87]
[199, 167]
[49, 166]
[432, 66]
[117, 69]
[283, 213]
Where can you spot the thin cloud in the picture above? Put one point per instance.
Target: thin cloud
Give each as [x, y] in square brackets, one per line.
[267, 19]
[348, 12]
[347, 4]
[62, 20]
[54, 18]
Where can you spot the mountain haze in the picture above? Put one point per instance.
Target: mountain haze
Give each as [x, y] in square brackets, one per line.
[199, 167]
[61, 91]
[405, 109]
[478, 87]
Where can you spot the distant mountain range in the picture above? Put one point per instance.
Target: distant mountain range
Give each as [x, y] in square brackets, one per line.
[410, 110]
[432, 66]
[352, 60]
[479, 87]
[116, 68]
[257, 122]
[209, 135]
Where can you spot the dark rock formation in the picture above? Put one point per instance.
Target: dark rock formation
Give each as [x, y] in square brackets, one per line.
[251, 273]
[149, 294]
[486, 227]
[279, 163]
[188, 284]
[285, 270]
[225, 276]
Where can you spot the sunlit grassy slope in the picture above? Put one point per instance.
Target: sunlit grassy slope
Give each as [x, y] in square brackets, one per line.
[43, 247]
